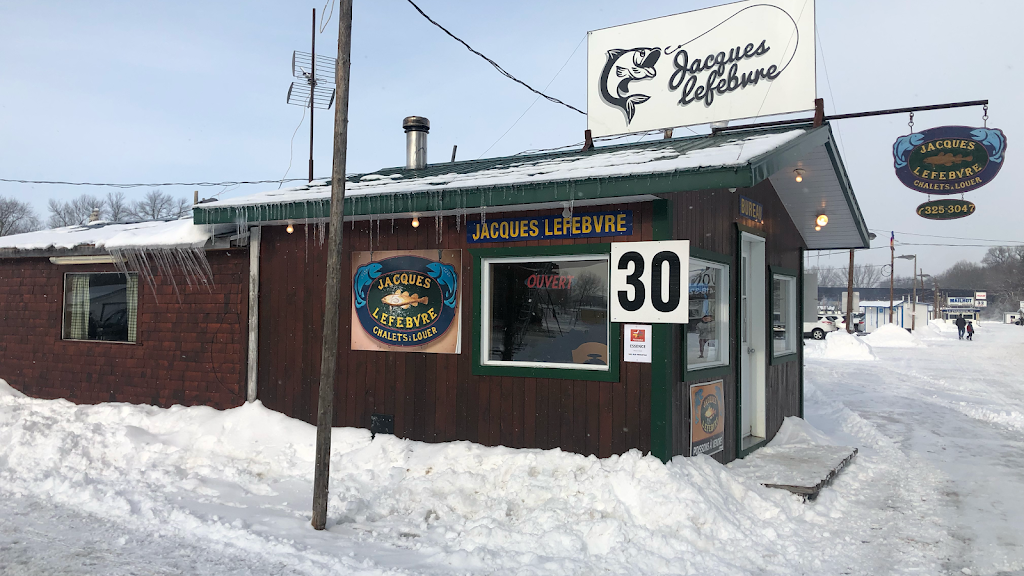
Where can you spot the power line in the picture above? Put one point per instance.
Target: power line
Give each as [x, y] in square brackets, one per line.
[950, 237]
[493, 63]
[153, 184]
[534, 100]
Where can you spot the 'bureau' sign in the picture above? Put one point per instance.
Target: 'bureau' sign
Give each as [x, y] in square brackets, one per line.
[590, 225]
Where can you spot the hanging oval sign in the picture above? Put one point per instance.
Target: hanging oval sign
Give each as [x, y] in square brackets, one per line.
[949, 159]
[949, 209]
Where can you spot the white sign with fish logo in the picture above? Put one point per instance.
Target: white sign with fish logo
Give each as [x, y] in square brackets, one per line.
[740, 60]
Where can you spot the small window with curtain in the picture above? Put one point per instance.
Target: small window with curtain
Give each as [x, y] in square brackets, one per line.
[783, 315]
[101, 306]
[707, 338]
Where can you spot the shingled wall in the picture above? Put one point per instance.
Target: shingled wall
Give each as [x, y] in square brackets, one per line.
[189, 353]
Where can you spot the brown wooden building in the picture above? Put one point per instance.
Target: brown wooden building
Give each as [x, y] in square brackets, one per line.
[525, 359]
[73, 326]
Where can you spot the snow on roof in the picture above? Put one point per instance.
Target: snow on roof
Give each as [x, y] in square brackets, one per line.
[879, 303]
[536, 169]
[156, 234]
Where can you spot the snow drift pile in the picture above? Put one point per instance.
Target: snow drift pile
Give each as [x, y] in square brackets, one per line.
[242, 478]
[838, 345]
[892, 336]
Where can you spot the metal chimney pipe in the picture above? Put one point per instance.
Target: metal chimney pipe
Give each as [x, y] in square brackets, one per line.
[416, 128]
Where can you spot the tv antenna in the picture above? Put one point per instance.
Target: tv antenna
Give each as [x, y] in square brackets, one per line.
[316, 86]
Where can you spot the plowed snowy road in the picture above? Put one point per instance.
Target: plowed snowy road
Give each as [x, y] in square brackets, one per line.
[936, 488]
[957, 408]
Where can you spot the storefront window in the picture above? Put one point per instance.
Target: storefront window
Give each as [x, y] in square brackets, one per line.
[783, 315]
[707, 341]
[548, 312]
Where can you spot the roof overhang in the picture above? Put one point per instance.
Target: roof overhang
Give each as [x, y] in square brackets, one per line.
[825, 189]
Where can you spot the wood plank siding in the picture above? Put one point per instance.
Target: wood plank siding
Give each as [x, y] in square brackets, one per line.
[709, 220]
[437, 398]
[433, 397]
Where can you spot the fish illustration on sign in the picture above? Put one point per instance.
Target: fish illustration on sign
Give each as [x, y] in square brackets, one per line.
[947, 159]
[629, 65]
[447, 278]
[403, 300]
[365, 276]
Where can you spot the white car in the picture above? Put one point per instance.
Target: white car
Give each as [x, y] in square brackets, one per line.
[818, 330]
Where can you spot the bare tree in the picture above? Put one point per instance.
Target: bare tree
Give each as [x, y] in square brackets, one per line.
[16, 217]
[75, 211]
[117, 207]
[159, 206]
[1005, 275]
[829, 276]
[868, 276]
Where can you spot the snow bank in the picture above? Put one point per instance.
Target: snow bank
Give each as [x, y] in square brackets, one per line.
[838, 345]
[7, 391]
[157, 234]
[243, 477]
[892, 336]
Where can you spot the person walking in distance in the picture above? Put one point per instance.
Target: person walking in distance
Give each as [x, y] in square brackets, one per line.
[705, 332]
[970, 331]
[961, 325]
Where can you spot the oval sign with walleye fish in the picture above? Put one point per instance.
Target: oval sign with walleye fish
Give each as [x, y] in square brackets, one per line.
[949, 159]
[405, 300]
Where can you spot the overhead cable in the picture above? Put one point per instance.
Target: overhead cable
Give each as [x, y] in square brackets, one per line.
[493, 63]
[153, 184]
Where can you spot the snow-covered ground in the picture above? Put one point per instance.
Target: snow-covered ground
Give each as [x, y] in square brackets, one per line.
[936, 488]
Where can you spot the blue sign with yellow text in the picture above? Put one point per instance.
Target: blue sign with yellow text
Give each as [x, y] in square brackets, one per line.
[555, 227]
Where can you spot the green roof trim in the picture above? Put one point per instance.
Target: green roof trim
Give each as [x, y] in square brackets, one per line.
[439, 198]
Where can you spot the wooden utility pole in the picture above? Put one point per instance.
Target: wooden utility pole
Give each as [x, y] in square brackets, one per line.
[849, 298]
[892, 273]
[329, 351]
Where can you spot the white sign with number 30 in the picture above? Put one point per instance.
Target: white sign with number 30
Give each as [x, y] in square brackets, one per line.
[649, 282]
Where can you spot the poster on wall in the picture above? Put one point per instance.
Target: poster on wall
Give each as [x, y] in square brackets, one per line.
[739, 60]
[407, 301]
[707, 422]
[636, 346]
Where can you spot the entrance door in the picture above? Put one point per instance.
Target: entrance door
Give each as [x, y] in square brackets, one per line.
[753, 345]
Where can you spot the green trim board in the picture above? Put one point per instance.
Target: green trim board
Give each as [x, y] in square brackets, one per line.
[664, 364]
[844, 183]
[789, 273]
[686, 373]
[436, 197]
[614, 328]
[800, 348]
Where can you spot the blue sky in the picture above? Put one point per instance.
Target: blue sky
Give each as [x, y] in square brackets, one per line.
[195, 91]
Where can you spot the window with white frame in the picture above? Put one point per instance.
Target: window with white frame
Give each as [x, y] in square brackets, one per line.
[707, 338]
[101, 306]
[545, 311]
[784, 328]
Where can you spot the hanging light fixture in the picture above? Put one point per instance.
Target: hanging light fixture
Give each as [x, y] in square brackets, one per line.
[799, 175]
[820, 221]
[415, 221]
[290, 228]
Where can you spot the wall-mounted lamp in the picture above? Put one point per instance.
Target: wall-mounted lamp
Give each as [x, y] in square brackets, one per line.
[290, 228]
[799, 175]
[415, 221]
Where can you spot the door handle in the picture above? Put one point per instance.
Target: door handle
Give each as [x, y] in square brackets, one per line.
[750, 350]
